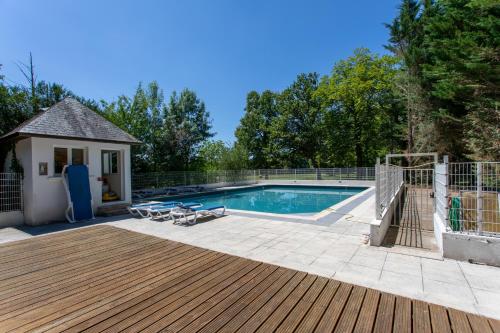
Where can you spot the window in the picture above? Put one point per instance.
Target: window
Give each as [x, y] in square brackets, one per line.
[105, 163]
[110, 162]
[77, 156]
[60, 159]
[63, 156]
[114, 162]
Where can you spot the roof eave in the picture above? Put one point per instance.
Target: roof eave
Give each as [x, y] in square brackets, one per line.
[28, 135]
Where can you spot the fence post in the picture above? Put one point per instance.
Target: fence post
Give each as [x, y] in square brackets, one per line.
[446, 180]
[377, 189]
[295, 170]
[479, 197]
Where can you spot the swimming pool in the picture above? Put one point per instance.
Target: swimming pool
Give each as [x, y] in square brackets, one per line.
[277, 199]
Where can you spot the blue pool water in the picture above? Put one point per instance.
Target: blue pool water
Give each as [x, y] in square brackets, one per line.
[277, 199]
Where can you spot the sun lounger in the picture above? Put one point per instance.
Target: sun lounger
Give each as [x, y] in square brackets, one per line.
[135, 209]
[186, 212]
[163, 211]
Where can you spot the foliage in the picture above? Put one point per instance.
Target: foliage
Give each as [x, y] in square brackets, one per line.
[450, 48]
[348, 118]
[216, 155]
[171, 134]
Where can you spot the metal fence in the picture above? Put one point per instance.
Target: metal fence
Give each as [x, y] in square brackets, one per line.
[388, 180]
[11, 192]
[156, 180]
[468, 197]
[362, 173]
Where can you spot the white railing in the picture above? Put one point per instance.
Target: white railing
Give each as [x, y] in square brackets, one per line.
[11, 192]
[468, 197]
[354, 173]
[388, 181]
[157, 180]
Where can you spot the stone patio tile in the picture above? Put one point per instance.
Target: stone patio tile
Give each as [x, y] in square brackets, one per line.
[449, 294]
[488, 302]
[357, 274]
[299, 258]
[326, 266]
[482, 276]
[286, 245]
[372, 261]
[401, 284]
[446, 271]
[403, 264]
[341, 252]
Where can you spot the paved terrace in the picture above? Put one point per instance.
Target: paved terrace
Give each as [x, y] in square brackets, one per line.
[105, 279]
[336, 250]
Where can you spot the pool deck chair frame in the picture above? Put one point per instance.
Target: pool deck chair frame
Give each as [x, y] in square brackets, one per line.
[185, 212]
[77, 185]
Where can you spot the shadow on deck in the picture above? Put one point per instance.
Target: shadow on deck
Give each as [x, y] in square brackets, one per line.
[412, 225]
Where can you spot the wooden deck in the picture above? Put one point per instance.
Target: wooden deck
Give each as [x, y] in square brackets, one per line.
[105, 279]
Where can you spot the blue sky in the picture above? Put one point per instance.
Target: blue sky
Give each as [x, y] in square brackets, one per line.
[222, 49]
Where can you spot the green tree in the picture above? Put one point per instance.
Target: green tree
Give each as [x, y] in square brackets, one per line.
[461, 74]
[358, 99]
[296, 131]
[187, 125]
[253, 133]
[211, 154]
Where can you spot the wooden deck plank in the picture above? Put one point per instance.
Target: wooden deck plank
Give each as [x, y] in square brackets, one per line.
[495, 325]
[421, 317]
[459, 321]
[84, 262]
[368, 312]
[88, 299]
[311, 319]
[80, 294]
[169, 314]
[114, 313]
[108, 279]
[114, 275]
[276, 317]
[385, 314]
[478, 324]
[439, 319]
[219, 319]
[166, 281]
[334, 310]
[273, 304]
[206, 312]
[350, 314]
[72, 280]
[238, 320]
[295, 317]
[402, 315]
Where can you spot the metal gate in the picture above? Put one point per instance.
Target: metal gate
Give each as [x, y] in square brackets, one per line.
[413, 222]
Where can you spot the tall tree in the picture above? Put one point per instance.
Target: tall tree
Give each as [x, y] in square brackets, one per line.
[406, 40]
[359, 100]
[187, 125]
[253, 133]
[461, 74]
[296, 131]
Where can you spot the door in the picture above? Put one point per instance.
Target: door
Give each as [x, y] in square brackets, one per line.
[112, 176]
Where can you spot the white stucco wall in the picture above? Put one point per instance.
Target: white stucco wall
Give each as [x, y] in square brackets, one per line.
[44, 196]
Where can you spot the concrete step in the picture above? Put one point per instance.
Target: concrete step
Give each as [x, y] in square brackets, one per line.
[112, 210]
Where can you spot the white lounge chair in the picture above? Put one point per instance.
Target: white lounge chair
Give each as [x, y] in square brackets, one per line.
[163, 211]
[142, 208]
[185, 212]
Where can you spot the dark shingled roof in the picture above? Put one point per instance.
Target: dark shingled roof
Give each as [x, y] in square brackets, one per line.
[70, 119]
